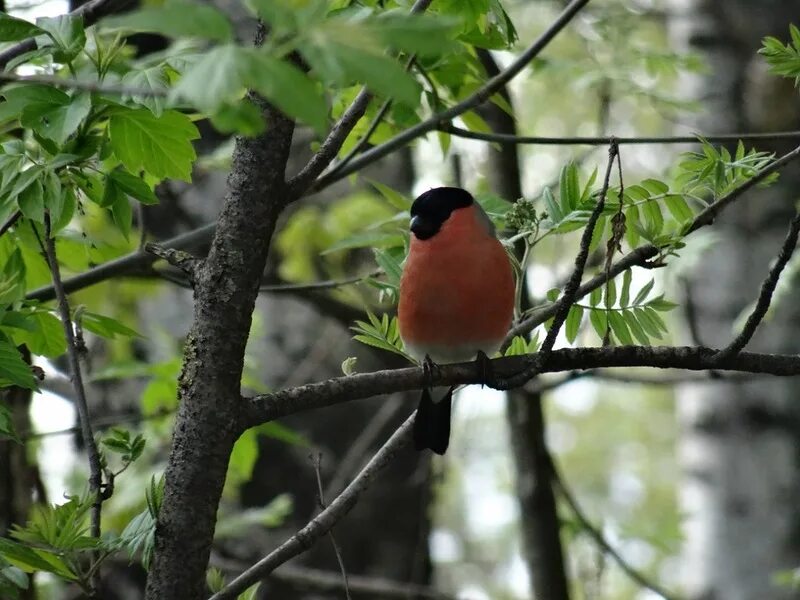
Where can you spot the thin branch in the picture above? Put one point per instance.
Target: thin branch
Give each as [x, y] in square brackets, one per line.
[330, 147]
[328, 581]
[267, 407]
[570, 293]
[99, 424]
[600, 540]
[91, 12]
[642, 254]
[356, 453]
[765, 296]
[322, 523]
[92, 453]
[315, 286]
[474, 100]
[605, 140]
[317, 462]
[10, 222]
[84, 85]
[127, 264]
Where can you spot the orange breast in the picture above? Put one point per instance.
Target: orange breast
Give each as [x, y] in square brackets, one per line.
[457, 290]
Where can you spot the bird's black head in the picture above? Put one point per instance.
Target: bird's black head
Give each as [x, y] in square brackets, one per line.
[433, 208]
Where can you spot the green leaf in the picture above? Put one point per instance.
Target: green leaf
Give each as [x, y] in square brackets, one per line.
[635, 328]
[620, 328]
[653, 217]
[678, 208]
[573, 323]
[176, 19]
[35, 559]
[242, 117]
[655, 187]
[395, 198]
[390, 265]
[553, 209]
[660, 304]
[424, 35]
[596, 296]
[31, 201]
[159, 145]
[106, 326]
[569, 188]
[133, 186]
[13, 29]
[122, 213]
[46, 336]
[288, 88]
[597, 318]
[367, 239]
[67, 34]
[624, 297]
[13, 368]
[12, 280]
[149, 79]
[610, 293]
[57, 120]
[644, 292]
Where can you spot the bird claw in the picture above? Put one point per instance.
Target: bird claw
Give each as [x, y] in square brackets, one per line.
[430, 371]
[485, 369]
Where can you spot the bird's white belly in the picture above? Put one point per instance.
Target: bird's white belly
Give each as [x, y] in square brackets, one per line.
[444, 354]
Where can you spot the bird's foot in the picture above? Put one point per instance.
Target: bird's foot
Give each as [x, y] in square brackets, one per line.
[483, 364]
[430, 371]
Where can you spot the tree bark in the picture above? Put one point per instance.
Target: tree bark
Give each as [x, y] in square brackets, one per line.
[207, 424]
[740, 443]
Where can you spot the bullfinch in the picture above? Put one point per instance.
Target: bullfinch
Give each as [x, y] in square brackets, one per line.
[456, 296]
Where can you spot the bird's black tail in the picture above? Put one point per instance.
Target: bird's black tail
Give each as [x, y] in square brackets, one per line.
[432, 423]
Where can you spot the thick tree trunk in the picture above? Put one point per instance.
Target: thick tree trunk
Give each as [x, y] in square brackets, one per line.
[740, 442]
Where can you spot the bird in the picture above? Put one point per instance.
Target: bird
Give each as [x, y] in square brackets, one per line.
[456, 298]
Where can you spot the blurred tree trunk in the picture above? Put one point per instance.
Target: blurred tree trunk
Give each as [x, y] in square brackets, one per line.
[538, 515]
[741, 442]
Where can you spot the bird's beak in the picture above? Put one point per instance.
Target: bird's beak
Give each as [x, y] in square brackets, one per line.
[422, 228]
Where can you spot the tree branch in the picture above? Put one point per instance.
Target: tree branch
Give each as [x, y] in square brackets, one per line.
[92, 453]
[267, 407]
[605, 140]
[596, 535]
[91, 12]
[330, 147]
[475, 99]
[765, 296]
[322, 523]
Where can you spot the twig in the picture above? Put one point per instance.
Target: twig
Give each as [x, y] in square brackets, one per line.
[137, 259]
[600, 540]
[298, 184]
[10, 222]
[91, 12]
[317, 462]
[323, 522]
[765, 296]
[571, 289]
[354, 457]
[605, 140]
[177, 258]
[328, 581]
[267, 407]
[100, 423]
[642, 254]
[475, 99]
[92, 453]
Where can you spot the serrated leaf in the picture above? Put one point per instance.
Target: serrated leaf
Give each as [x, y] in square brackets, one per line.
[31, 201]
[649, 326]
[46, 335]
[552, 207]
[661, 305]
[152, 79]
[569, 188]
[67, 34]
[596, 296]
[367, 239]
[159, 145]
[678, 208]
[653, 217]
[610, 293]
[395, 198]
[390, 265]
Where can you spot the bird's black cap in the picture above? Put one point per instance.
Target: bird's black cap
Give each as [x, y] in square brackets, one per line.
[432, 208]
